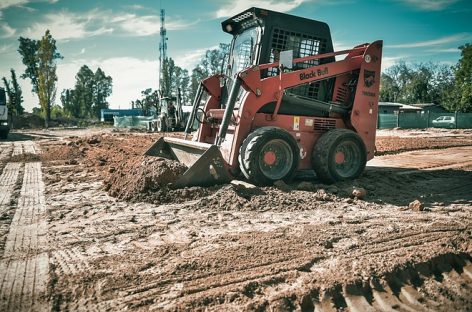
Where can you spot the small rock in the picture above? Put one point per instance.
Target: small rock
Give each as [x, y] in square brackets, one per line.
[111, 169]
[305, 186]
[359, 193]
[93, 140]
[416, 205]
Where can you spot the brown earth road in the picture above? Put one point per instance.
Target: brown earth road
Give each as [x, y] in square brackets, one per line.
[264, 249]
[24, 264]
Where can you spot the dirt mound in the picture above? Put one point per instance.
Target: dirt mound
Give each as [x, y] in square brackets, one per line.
[237, 197]
[149, 179]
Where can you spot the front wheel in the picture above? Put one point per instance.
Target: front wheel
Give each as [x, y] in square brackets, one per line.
[339, 154]
[269, 154]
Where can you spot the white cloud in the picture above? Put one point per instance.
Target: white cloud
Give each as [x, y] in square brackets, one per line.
[234, 7]
[6, 31]
[65, 25]
[432, 43]
[7, 48]
[20, 3]
[190, 59]
[8, 3]
[388, 61]
[147, 25]
[430, 5]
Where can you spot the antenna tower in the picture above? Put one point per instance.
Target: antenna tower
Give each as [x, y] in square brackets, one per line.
[162, 45]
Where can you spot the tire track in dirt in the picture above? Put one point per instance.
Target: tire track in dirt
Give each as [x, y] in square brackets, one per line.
[25, 263]
[8, 185]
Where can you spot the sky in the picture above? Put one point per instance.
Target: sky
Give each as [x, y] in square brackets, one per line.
[122, 36]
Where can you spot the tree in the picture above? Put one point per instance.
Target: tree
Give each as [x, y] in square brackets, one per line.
[212, 63]
[15, 95]
[459, 97]
[102, 88]
[416, 83]
[149, 99]
[84, 91]
[40, 57]
[90, 93]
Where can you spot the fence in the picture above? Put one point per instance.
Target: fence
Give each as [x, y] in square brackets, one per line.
[131, 121]
[422, 120]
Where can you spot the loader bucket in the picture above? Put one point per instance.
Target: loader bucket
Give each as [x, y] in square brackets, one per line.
[205, 163]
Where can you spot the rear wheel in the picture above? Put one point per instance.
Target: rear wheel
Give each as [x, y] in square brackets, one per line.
[339, 154]
[269, 154]
[4, 134]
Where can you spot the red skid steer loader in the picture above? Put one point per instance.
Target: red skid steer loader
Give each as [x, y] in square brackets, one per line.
[284, 105]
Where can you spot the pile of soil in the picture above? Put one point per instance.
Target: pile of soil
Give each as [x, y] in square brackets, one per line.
[237, 197]
[142, 175]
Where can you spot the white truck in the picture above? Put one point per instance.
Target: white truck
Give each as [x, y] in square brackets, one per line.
[4, 118]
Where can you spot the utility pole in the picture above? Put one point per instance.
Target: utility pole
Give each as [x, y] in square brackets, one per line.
[162, 47]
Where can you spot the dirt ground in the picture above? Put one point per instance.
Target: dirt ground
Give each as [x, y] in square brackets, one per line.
[89, 223]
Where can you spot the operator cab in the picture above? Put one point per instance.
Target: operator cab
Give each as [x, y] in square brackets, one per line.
[258, 38]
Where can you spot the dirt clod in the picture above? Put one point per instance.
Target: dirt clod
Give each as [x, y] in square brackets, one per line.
[359, 193]
[416, 205]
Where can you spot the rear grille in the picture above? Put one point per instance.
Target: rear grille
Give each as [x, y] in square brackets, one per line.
[341, 97]
[324, 125]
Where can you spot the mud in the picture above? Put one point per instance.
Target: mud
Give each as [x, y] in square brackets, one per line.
[301, 246]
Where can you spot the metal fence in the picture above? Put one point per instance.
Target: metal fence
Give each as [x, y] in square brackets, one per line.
[131, 121]
[420, 120]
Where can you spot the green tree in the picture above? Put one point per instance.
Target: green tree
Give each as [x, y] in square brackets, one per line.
[149, 99]
[84, 91]
[212, 63]
[15, 94]
[40, 57]
[69, 103]
[89, 95]
[102, 88]
[459, 97]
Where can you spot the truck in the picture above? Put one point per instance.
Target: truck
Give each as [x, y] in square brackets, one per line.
[4, 116]
[286, 106]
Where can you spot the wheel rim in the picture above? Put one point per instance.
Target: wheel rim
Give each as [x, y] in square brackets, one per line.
[347, 159]
[276, 159]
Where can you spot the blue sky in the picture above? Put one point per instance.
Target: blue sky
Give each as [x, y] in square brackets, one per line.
[122, 36]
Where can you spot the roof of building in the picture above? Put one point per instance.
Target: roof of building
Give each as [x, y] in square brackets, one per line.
[399, 105]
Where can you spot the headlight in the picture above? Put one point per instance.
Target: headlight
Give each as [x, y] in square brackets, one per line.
[4, 123]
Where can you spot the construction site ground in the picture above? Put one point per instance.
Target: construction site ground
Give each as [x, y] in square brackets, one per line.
[89, 223]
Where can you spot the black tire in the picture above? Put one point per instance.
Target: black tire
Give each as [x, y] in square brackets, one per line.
[342, 142]
[269, 144]
[161, 125]
[3, 135]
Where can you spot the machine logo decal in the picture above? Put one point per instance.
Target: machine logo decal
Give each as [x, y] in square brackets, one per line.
[313, 73]
[369, 78]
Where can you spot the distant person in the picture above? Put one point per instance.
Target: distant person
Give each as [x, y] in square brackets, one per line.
[171, 110]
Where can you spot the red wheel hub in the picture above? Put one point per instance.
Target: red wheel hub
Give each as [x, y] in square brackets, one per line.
[339, 158]
[269, 158]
